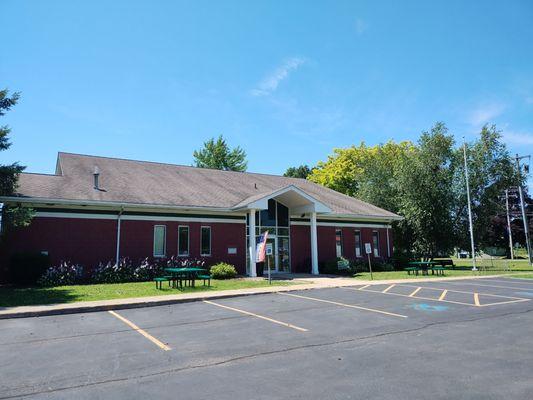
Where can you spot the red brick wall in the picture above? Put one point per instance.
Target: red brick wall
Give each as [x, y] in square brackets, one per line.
[90, 241]
[301, 244]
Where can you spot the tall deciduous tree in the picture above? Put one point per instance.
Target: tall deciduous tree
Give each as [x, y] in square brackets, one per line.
[12, 216]
[491, 171]
[218, 155]
[302, 171]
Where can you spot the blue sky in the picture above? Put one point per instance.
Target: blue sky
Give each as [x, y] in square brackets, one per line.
[287, 81]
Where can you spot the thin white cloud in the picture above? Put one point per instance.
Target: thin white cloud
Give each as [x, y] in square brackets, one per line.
[360, 26]
[485, 114]
[271, 82]
[518, 138]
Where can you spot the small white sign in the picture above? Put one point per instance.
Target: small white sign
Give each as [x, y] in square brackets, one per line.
[368, 248]
[269, 249]
[232, 250]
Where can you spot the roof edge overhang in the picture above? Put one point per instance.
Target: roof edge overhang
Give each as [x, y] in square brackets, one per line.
[261, 203]
[110, 204]
[368, 217]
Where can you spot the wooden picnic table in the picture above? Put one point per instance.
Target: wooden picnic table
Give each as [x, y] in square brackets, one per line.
[190, 273]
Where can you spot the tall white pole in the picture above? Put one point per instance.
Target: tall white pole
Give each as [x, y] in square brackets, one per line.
[524, 216]
[469, 210]
[509, 224]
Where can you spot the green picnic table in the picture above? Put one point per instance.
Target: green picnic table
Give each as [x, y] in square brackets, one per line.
[189, 273]
[423, 266]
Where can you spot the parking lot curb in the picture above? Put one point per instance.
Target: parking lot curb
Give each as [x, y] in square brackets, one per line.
[141, 302]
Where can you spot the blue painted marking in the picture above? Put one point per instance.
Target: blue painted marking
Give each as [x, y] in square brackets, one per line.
[527, 294]
[428, 307]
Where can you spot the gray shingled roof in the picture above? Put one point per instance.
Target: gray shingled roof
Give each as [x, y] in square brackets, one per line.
[151, 183]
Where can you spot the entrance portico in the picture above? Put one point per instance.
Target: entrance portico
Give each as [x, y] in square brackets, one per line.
[298, 204]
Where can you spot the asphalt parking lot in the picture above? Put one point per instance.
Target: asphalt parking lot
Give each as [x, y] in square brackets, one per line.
[468, 339]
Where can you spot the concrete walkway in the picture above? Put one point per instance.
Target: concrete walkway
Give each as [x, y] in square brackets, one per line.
[304, 282]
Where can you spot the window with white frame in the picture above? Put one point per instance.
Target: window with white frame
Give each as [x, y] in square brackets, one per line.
[160, 235]
[375, 242]
[338, 242]
[183, 241]
[358, 244]
[205, 241]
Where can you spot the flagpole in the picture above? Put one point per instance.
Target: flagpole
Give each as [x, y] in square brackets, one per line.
[469, 210]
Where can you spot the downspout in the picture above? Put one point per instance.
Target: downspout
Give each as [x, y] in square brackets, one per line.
[388, 244]
[118, 234]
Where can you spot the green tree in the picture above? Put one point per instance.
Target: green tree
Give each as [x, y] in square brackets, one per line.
[14, 215]
[491, 171]
[302, 171]
[424, 196]
[218, 155]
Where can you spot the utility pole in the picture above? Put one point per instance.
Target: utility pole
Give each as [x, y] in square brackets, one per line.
[469, 210]
[524, 217]
[509, 224]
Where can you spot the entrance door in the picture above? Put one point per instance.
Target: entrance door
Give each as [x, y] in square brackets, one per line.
[271, 256]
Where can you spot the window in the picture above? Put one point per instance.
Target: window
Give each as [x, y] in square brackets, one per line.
[338, 242]
[183, 240]
[282, 215]
[375, 240]
[205, 241]
[358, 244]
[268, 216]
[160, 233]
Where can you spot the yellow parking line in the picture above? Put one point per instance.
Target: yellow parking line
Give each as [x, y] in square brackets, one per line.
[462, 291]
[415, 297]
[363, 287]
[389, 288]
[504, 302]
[345, 305]
[415, 291]
[443, 295]
[257, 316]
[476, 299]
[141, 331]
[495, 286]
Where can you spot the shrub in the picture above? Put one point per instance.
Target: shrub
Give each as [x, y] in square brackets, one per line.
[332, 267]
[114, 273]
[223, 271]
[27, 268]
[146, 270]
[65, 273]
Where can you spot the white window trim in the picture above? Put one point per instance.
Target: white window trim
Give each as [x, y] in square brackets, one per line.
[360, 247]
[375, 248]
[188, 241]
[164, 241]
[210, 239]
[341, 242]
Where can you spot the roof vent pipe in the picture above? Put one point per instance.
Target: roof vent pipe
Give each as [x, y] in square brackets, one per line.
[96, 175]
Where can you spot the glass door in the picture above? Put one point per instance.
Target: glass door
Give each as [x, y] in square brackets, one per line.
[271, 251]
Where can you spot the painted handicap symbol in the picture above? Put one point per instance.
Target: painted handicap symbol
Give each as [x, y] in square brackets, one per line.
[428, 307]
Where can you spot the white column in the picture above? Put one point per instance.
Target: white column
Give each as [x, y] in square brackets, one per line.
[314, 245]
[251, 248]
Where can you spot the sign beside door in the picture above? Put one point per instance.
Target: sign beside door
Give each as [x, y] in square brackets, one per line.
[368, 248]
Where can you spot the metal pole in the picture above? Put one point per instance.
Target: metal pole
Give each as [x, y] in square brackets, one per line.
[509, 224]
[370, 267]
[524, 218]
[469, 211]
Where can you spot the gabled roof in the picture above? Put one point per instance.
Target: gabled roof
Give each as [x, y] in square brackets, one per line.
[167, 185]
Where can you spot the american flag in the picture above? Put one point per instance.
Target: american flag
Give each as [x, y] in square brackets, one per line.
[261, 247]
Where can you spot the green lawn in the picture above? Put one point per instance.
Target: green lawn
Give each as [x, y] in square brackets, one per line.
[464, 266]
[403, 274]
[11, 297]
